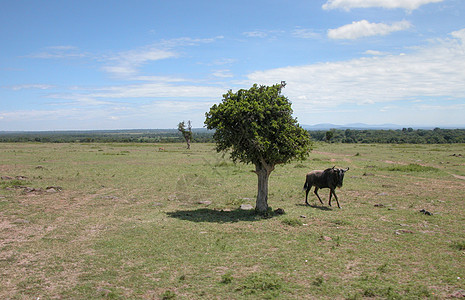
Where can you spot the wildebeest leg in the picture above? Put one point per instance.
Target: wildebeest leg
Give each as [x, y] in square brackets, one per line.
[330, 195]
[316, 193]
[332, 192]
[306, 195]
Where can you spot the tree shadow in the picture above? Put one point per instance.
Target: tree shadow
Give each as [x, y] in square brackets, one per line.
[215, 216]
[325, 208]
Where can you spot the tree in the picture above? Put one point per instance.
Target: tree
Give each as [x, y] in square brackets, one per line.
[329, 135]
[187, 134]
[256, 126]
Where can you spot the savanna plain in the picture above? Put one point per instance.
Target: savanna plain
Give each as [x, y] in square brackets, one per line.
[157, 221]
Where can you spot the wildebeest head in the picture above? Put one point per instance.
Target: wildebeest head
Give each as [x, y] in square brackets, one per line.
[340, 176]
[336, 175]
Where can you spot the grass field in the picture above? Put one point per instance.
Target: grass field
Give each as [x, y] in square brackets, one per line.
[145, 221]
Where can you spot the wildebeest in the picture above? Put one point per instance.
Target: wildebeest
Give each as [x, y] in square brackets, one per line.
[329, 178]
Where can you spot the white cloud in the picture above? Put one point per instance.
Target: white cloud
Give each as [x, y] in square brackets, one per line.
[364, 29]
[256, 33]
[159, 104]
[263, 33]
[436, 70]
[223, 73]
[22, 115]
[77, 99]
[116, 96]
[126, 64]
[59, 52]
[349, 4]
[389, 108]
[375, 52]
[187, 41]
[165, 79]
[118, 107]
[223, 61]
[177, 106]
[157, 90]
[453, 107]
[30, 86]
[459, 34]
[305, 33]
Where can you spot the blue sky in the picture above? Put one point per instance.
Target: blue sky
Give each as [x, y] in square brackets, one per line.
[76, 65]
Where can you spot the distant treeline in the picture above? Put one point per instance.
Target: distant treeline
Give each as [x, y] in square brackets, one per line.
[404, 136]
[106, 136]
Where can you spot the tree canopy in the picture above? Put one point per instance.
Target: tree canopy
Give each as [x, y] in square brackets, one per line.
[256, 126]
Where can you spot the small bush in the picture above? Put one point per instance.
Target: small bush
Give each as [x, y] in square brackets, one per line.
[381, 292]
[318, 281]
[167, 295]
[262, 283]
[292, 222]
[226, 278]
[459, 245]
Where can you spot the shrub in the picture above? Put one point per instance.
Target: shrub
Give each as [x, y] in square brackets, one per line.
[292, 222]
[226, 278]
[167, 295]
[262, 283]
[459, 245]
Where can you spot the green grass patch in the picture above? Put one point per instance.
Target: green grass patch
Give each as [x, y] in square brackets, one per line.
[269, 285]
[292, 221]
[412, 168]
[13, 183]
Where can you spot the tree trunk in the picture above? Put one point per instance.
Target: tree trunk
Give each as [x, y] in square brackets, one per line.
[263, 172]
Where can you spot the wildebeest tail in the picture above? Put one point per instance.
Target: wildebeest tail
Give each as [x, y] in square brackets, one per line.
[306, 185]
